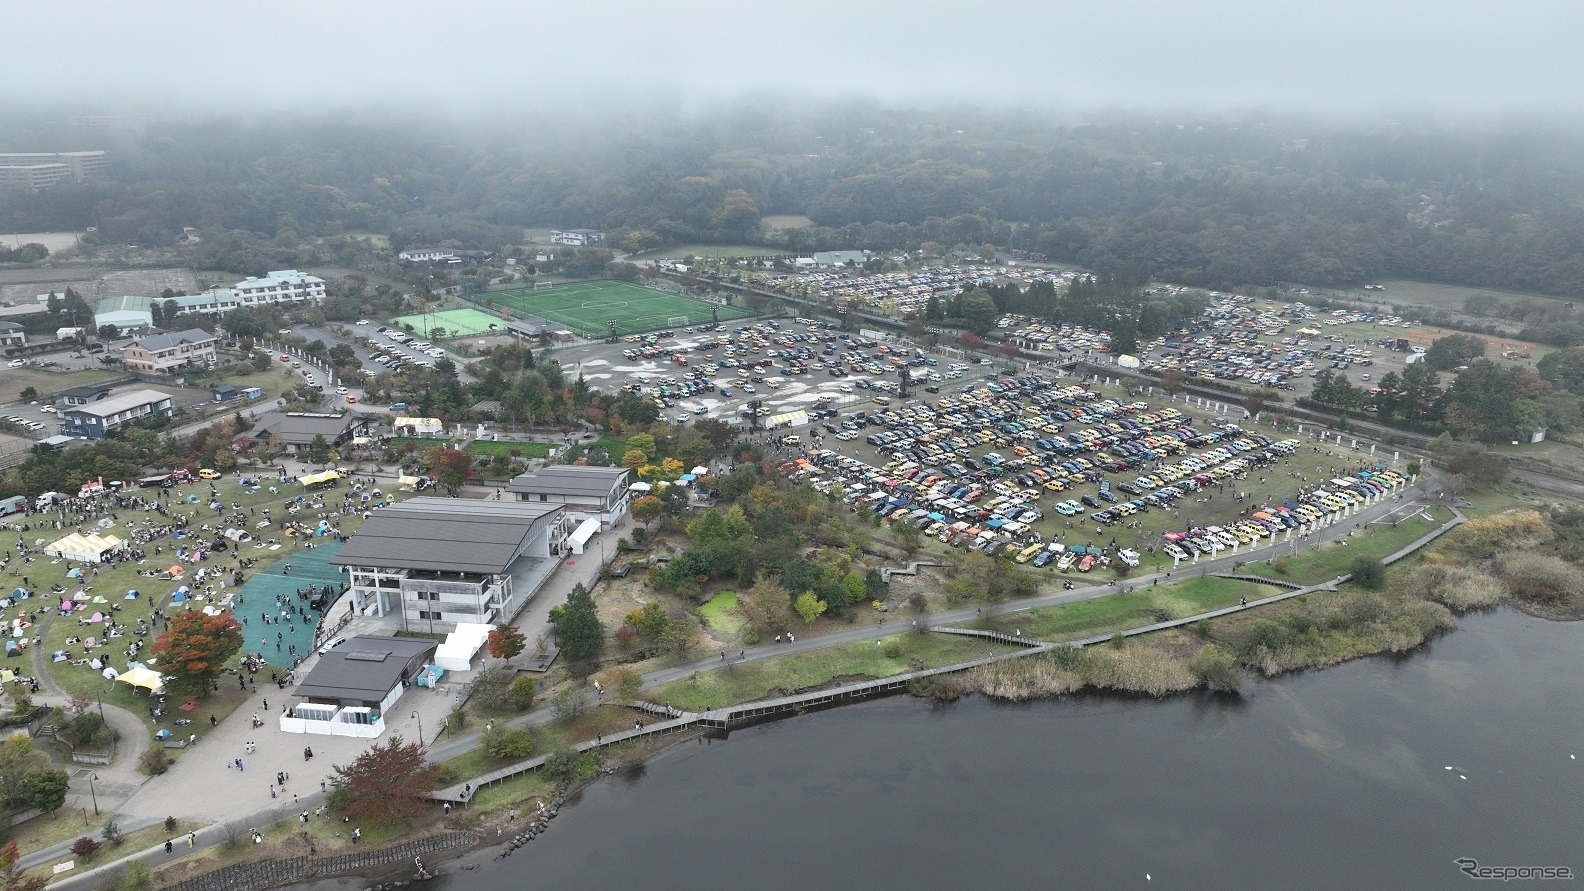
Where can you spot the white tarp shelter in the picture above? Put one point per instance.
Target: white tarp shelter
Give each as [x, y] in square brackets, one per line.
[456, 653]
[314, 479]
[89, 548]
[418, 425]
[580, 536]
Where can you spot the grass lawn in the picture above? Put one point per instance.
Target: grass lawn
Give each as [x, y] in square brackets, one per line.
[721, 613]
[756, 680]
[524, 449]
[1314, 565]
[612, 446]
[1115, 612]
[132, 841]
[111, 584]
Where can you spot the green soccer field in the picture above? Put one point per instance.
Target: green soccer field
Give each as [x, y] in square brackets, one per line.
[585, 307]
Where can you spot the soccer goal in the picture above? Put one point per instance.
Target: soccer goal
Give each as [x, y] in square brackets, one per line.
[676, 321]
[543, 286]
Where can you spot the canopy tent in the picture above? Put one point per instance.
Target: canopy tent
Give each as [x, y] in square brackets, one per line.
[789, 419]
[640, 487]
[419, 425]
[408, 483]
[139, 676]
[456, 653]
[700, 470]
[314, 479]
[89, 548]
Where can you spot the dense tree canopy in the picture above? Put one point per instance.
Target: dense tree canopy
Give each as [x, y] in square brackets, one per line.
[1210, 201]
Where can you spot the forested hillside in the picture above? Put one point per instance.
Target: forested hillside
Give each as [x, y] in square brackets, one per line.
[1219, 202]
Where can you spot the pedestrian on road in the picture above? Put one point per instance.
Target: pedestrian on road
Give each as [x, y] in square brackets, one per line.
[192, 839]
[213, 721]
[168, 846]
[272, 791]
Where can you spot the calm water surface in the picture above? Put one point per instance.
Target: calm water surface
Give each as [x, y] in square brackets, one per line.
[1332, 779]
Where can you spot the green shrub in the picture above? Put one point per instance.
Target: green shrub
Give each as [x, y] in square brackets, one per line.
[522, 692]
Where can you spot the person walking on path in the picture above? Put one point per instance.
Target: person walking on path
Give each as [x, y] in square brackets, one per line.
[192, 839]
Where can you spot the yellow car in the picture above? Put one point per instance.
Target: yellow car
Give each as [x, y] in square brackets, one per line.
[209, 474]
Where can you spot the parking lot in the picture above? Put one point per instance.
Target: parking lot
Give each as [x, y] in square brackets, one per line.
[1263, 343]
[1059, 474]
[789, 366]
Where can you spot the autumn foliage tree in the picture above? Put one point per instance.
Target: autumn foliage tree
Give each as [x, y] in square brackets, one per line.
[505, 642]
[389, 783]
[12, 878]
[196, 648]
[452, 467]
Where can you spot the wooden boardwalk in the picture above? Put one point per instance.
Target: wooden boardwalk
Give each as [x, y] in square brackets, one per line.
[723, 719]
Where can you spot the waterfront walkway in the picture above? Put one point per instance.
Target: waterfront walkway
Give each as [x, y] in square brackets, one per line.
[724, 718]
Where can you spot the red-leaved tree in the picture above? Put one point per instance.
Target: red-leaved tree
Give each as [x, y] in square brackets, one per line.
[388, 783]
[505, 642]
[196, 648]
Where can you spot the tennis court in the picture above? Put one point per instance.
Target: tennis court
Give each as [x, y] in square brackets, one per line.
[455, 322]
[586, 307]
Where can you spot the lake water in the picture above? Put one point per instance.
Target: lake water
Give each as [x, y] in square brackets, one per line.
[1324, 780]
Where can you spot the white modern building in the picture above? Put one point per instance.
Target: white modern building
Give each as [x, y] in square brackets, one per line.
[435, 563]
[280, 286]
[576, 237]
[597, 493]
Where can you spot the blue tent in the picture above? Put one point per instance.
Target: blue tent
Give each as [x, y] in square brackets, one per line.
[179, 597]
[74, 573]
[996, 524]
[20, 594]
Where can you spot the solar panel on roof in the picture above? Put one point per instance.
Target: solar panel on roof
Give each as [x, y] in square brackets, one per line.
[365, 656]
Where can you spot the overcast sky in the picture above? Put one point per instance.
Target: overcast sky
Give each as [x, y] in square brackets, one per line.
[1447, 55]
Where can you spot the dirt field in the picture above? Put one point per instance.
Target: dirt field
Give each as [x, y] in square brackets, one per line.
[55, 241]
[144, 282]
[1449, 297]
[787, 221]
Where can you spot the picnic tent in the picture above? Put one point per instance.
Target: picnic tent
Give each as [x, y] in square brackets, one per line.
[314, 479]
[141, 676]
[89, 548]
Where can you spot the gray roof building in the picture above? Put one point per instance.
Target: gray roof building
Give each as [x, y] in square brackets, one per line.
[297, 429]
[448, 535]
[364, 670]
[588, 492]
[167, 339]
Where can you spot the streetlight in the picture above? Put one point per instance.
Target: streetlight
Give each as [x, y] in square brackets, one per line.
[92, 793]
[420, 732]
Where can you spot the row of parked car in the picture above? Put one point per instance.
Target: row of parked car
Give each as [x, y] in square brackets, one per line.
[1310, 508]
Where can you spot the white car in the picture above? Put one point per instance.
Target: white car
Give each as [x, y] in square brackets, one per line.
[16, 363]
[283, 331]
[362, 321]
[33, 425]
[48, 409]
[341, 391]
